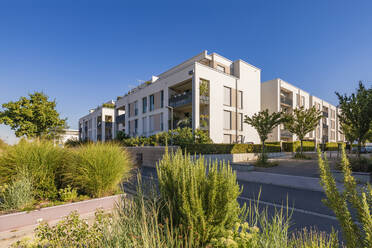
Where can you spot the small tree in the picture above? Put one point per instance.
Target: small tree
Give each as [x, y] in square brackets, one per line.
[356, 113]
[264, 123]
[355, 234]
[33, 117]
[302, 121]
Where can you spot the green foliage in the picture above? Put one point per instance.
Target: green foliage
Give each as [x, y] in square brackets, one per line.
[39, 161]
[205, 202]
[97, 169]
[179, 136]
[312, 238]
[3, 145]
[302, 121]
[204, 88]
[72, 231]
[121, 135]
[68, 194]
[355, 235]
[263, 161]
[108, 105]
[356, 114]
[16, 195]
[228, 148]
[361, 164]
[264, 123]
[34, 116]
[307, 146]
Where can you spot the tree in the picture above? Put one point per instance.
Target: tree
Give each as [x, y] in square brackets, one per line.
[302, 121]
[33, 116]
[356, 113]
[264, 123]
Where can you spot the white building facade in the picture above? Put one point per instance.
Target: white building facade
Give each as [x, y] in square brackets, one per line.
[207, 92]
[278, 95]
[99, 124]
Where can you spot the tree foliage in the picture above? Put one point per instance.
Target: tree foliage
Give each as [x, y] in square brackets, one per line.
[302, 121]
[33, 116]
[356, 114]
[264, 123]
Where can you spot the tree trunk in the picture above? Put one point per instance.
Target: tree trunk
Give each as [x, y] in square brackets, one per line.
[263, 148]
[359, 148]
[301, 147]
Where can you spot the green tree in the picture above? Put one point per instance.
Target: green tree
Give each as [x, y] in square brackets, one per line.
[264, 123]
[356, 113]
[34, 116]
[302, 121]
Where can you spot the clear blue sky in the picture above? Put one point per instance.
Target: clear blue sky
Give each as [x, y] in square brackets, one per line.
[83, 53]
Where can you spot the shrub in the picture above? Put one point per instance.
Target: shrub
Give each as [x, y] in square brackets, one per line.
[228, 148]
[301, 156]
[312, 238]
[355, 234]
[67, 194]
[205, 202]
[16, 195]
[39, 161]
[98, 169]
[361, 164]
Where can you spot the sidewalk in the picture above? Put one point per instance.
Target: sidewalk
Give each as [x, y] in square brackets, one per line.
[15, 226]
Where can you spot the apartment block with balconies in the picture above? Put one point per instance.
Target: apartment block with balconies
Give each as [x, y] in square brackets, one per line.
[278, 95]
[207, 91]
[99, 124]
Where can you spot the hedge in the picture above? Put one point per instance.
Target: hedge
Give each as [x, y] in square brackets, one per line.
[307, 146]
[228, 148]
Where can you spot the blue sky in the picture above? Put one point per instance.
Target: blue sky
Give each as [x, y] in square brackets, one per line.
[83, 53]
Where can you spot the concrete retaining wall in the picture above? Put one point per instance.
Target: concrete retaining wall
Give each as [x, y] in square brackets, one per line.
[150, 155]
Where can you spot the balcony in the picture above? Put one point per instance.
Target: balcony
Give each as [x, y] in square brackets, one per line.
[325, 126]
[181, 99]
[120, 118]
[285, 133]
[204, 99]
[108, 124]
[286, 101]
[325, 114]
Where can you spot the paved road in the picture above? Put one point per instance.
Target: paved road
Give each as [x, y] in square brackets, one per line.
[306, 206]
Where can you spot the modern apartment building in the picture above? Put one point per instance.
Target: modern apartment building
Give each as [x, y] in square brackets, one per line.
[278, 95]
[98, 125]
[206, 92]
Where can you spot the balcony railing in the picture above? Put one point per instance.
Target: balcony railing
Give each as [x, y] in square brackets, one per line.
[120, 118]
[204, 99]
[286, 100]
[180, 100]
[325, 114]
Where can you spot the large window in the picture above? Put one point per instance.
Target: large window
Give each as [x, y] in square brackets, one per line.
[136, 126]
[152, 102]
[162, 99]
[240, 99]
[240, 122]
[151, 124]
[144, 105]
[136, 108]
[227, 138]
[161, 122]
[227, 96]
[227, 120]
[144, 126]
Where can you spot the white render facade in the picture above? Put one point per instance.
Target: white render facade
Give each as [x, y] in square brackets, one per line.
[99, 124]
[278, 95]
[212, 92]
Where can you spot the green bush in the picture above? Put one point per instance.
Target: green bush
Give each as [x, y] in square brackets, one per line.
[39, 161]
[98, 169]
[16, 195]
[205, 202]
[307, 146]
[228, 148]
[68, 194]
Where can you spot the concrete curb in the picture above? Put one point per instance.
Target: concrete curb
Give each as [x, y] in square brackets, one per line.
[290, 181]
[23, 219]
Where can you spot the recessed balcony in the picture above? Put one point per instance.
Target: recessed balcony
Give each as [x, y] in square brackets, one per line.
[180, 99]
[286, 101]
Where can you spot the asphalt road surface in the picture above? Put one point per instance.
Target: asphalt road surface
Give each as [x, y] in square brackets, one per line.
[305, 206]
